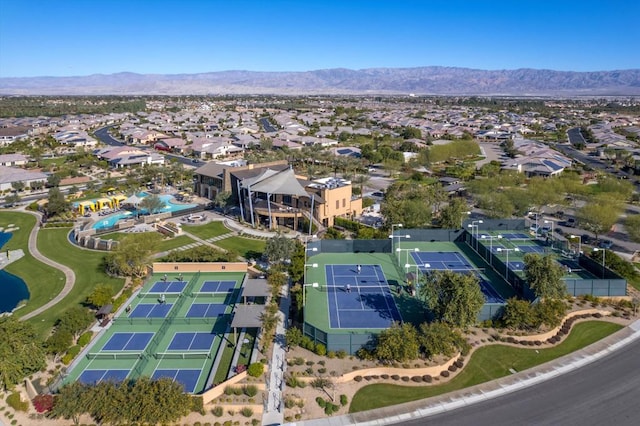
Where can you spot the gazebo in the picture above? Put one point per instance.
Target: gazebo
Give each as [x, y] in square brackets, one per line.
[255, 287]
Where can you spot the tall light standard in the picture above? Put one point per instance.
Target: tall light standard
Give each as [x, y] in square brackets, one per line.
[304, 292]
[393, 226]
[491, 238]
[579, 242]
[603, 256]
[474, 224]
[398, 250]
[304, 273]
[552, 225]
[506, 269]
[462, 218]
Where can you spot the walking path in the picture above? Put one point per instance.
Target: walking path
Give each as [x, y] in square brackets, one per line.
[274, 410]
[70, 276]
[500, 387]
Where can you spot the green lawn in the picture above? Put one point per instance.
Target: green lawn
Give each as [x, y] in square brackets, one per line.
[486, 363]
[166, 244]
[225, 360]
[32, 271]
[247, 247]
[210, 230]
[87, 265]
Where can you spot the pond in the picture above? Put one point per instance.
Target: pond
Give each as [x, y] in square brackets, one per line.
[12, 288]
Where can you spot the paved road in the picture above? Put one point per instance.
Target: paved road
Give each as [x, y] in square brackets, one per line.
[602, 393]
[70, 276]
[103, 135]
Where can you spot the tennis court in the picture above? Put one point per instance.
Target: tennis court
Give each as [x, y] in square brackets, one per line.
[168, 287]
[359, 296]
[187, 377]
[217, 286]
[128, 342]
[92, 377]
[205, 310]
[151, 310]
[453, 261]
[191, 341]
[165, 331]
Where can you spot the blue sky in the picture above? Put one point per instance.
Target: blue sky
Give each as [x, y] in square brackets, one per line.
[82, 37]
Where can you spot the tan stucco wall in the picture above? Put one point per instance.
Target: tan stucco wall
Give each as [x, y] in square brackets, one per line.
[200, 267]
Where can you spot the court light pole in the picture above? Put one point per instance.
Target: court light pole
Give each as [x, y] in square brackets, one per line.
[603, 257]
[552, 226]
[304, 273]
[462, 218]
[506, 269]
[491, 238]
[304, 292]
[474, 224]
[392, 236]
[579, 242]
[398, 250]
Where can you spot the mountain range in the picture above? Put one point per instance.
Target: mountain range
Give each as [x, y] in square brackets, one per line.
[434, 80]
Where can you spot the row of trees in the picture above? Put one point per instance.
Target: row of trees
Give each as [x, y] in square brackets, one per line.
[143, 401]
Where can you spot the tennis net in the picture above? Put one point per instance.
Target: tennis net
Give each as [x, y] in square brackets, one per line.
[355, 289]
[211, 293]
[182, 355]
[115, 355]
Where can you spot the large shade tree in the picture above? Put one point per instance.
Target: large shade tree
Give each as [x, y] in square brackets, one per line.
[544, 276]
[21, 351]
[454, 298]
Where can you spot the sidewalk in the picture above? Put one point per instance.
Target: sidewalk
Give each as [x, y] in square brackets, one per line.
[499, 387]
[274, 410]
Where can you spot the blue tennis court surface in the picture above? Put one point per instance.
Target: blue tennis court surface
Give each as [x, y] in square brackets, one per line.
[188, 378]
[217, 286]
[515, 236]
[168, 287]
[516, 265]
[205, 310]
[92, 377]
[189, 341]
[359, 299]
[128, 342]
[531, 249]
[440, 261]
[151, 310]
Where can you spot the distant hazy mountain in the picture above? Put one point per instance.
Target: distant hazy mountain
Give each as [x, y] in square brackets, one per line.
[419, 81]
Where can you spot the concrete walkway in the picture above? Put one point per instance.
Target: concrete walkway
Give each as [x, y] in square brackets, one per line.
[274, 410]
[70, 276]
[500, 387]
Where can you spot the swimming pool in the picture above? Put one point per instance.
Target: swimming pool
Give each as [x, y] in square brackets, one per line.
[169, 206]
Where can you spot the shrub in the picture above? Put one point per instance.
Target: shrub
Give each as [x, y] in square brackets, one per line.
[405, 378]
[343, 400]
[246, 411]
[43, 403]
[240, 368]
[16, 402]
[358, 378]
[310, 363]
[417, 379]
[395, 377]
[322, 362]
[298, 360]
[426, 378]
[256, 369]
[217, 411]
[385, 376]
[444, 373]
[341, 354]
[459, 363]
[250, 390]
[321, 402]
[228, 390]
[452, 368]
[84, 339]
[331, 354]
[321, 349]
[322, 370]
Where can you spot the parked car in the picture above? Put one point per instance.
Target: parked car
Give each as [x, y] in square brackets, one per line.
[605, 244]
[586, 239]
[570, 222]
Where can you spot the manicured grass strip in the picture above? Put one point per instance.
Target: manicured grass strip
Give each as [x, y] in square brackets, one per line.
[43, 281]
[225, 361]
[164, 245]
[210, 230]
[247, 247]
[87, 265]
[486, 363]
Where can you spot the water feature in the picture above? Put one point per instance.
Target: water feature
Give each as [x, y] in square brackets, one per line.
[12, 288]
